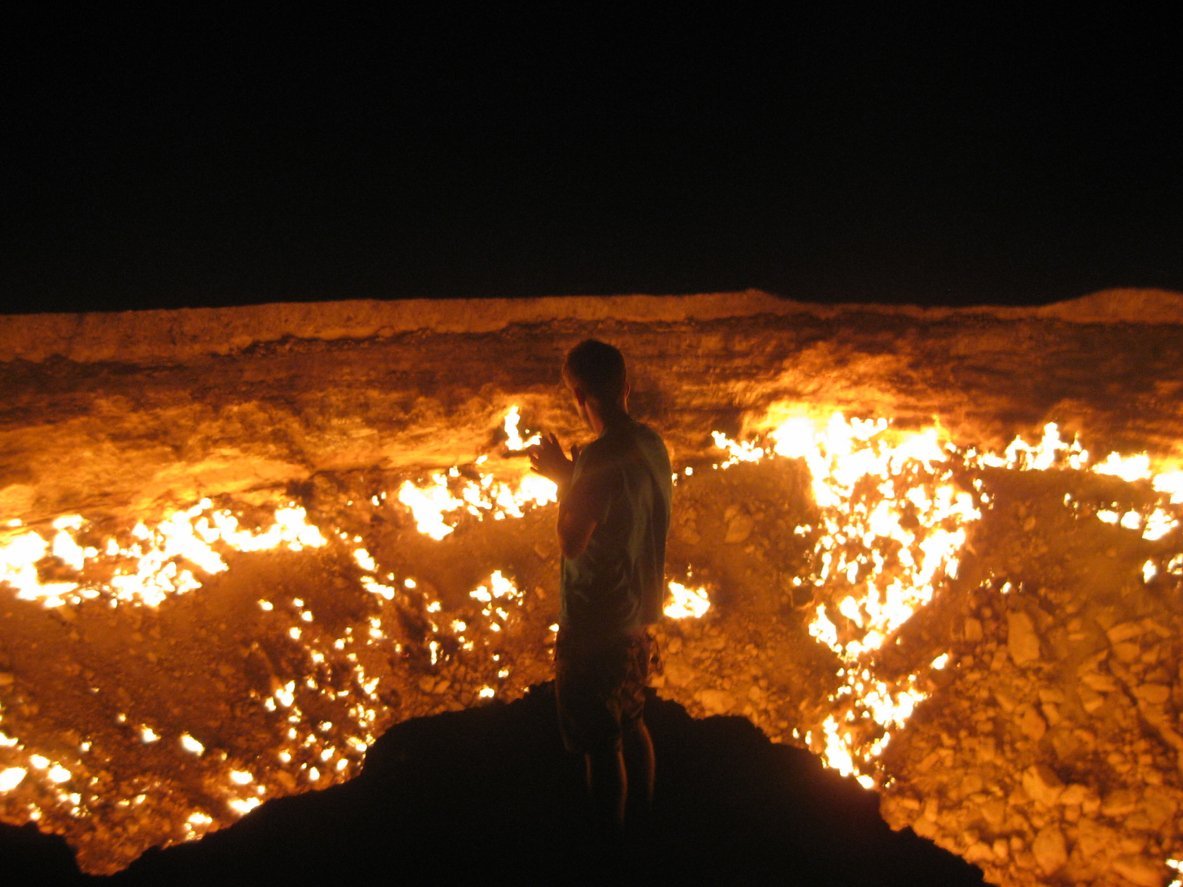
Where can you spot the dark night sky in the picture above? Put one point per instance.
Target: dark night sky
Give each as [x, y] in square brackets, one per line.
[910, 155]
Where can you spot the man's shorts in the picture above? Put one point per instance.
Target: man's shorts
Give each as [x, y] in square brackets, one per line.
[600, 687]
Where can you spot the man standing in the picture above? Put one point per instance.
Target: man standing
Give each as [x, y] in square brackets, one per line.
[614, 514]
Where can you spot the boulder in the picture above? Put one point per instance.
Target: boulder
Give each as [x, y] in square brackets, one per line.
[1030, 722]
[1154, 694]
[715, 702]
[1050, 850]
[1137, 869]
[1042, 784]
[1021, 640]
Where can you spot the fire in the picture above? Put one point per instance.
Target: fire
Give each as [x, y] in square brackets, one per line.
[439, 505]
[11, 777]
[148, 564]
[896, 510]
[514, 440]
[686, 602]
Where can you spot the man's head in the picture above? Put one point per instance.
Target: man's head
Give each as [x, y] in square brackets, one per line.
[594, 371]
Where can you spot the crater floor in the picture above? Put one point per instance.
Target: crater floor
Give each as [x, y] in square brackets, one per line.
[232, 597]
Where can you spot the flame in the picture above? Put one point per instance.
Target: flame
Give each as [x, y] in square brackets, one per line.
[686, 602]
[11, 777]
[439, 504]
[148, 564]
[895, 512]
[514, 440]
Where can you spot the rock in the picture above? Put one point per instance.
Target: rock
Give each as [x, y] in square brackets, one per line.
[1094, 840]
[1127, 652]
[1158, 628]
[715, 702]
[899, 811]
[1090, 699]
[1140, 870]
[1159, 807]
[978, 853]
[1118, 803]
[6, 678]
[1042, 784]
[1050, 850]
[1021, 640]
[973, 630]
[1102, 683]
[1123, 631]
[1004, 698]
[1029, 721]
[678, 674]
[1154, 694]
[739, 528]
[993, 811]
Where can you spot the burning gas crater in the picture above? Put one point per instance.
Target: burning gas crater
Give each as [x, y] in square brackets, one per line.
[895, 516]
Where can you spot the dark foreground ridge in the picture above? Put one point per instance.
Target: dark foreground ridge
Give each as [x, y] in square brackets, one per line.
[489, 793]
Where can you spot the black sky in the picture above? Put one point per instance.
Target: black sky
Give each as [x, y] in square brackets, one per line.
[906, 155]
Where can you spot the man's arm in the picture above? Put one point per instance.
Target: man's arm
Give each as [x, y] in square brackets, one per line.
[549, 460]
[582, 509]
[581, 505]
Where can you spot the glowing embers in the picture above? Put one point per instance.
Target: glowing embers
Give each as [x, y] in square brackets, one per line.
[328, 708]
[146, 564]
[42, 780]
[499, 593]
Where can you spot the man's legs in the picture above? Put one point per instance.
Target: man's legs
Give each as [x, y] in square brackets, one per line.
[640, 765]
[601, 700]
[607, 785]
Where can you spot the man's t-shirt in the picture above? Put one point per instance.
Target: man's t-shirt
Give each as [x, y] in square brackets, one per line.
[616, 585]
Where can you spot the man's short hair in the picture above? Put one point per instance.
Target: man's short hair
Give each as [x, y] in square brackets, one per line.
[599, 368]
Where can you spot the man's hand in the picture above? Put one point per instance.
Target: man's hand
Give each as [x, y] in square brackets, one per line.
[548, 459]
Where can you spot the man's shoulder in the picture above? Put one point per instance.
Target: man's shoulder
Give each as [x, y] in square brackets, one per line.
[623, 443]
[649, 435]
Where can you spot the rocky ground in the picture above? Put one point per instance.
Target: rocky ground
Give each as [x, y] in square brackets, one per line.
[1044, 751]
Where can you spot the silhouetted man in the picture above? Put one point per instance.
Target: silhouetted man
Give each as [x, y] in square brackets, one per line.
[614, 514]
